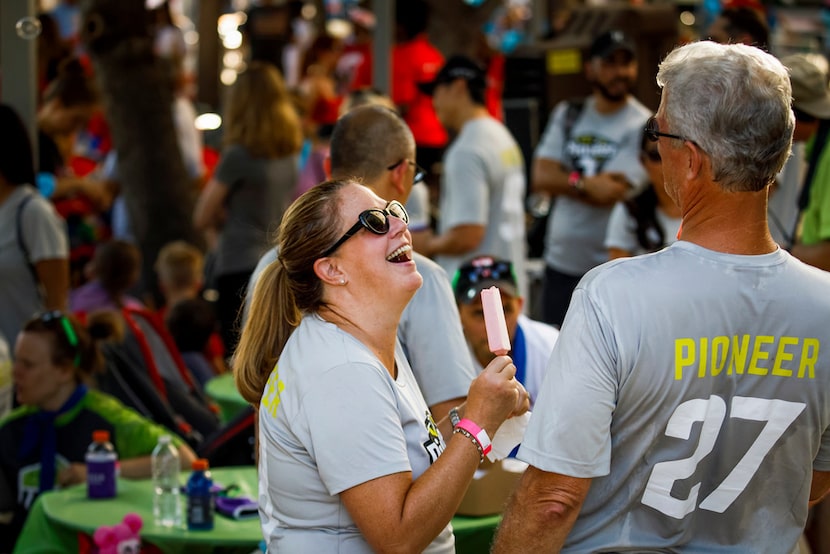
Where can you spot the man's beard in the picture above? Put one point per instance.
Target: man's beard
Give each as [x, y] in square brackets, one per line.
[612, 97]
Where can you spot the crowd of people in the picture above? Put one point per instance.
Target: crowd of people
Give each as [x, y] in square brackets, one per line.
[677, 401]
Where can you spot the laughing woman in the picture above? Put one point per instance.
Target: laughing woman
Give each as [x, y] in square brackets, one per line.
[350, 459]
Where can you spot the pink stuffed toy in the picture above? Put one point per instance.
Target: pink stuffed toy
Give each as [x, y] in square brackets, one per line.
[121, 538]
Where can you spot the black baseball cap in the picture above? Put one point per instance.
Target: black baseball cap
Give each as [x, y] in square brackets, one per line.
[457, 67]
[481, 273]
[609, 42]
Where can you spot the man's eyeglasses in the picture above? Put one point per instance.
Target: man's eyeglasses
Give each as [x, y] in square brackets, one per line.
[420, 172]
[68, 331]
[652, 155]
[374, 220]
[653, 133]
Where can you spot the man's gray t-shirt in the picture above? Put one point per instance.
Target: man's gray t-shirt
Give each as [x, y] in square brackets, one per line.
[694, 388]
[484, 184]
[332, 418]
[598, 143]
[429, 331]
[259, 192]
[45, 238]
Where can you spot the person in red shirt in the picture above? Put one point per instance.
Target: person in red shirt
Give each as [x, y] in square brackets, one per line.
[415, 60]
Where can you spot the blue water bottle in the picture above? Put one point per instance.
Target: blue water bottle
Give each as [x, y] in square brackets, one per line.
[199, 497]
[101, 460]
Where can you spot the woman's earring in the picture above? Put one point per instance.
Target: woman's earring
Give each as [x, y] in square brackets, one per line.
[343, 281]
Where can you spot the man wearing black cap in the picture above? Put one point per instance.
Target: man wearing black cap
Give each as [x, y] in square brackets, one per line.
[483, 183]
[588, 161]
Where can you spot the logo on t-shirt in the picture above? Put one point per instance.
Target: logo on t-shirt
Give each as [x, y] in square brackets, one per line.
[434, 445]
[28, 481]
[588, 153]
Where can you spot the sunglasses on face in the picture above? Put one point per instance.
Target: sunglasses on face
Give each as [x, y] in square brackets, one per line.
[420, 172]
[374, 220]
[68, 331]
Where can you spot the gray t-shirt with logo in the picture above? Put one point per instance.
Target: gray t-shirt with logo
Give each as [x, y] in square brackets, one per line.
[694, 388]
[332, 418]
[598, 143]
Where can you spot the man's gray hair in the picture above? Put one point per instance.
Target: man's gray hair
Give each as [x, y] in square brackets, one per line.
[734, 101]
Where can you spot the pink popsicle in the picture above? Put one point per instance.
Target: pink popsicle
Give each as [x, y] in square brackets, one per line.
[497, 337]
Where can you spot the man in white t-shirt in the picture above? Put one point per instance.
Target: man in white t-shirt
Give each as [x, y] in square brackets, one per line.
[531, 341]
[686, 405]
[483, 182]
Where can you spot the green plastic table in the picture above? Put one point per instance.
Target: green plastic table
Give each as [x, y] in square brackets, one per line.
[58, 516]
[222, 390]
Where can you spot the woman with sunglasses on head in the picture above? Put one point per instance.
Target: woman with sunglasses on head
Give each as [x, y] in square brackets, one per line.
[649, 221]
[45, 440]
[350, 459]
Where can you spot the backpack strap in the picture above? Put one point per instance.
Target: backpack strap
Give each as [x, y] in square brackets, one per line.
[572, 113]
[20, 242]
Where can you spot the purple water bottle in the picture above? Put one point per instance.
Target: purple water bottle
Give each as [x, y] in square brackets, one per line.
[101, 460]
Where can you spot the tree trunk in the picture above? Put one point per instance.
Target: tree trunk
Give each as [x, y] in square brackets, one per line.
[138, 98]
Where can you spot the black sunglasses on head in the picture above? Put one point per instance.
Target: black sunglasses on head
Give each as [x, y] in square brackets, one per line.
[420, 172]
[374, 220]
[481, 269]
[68, 330]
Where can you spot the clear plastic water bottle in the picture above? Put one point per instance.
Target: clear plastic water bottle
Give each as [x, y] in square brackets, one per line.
[101, 460]
[167, 509]
[200, 497]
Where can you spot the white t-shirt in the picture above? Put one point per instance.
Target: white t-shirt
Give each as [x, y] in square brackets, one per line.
[693, 387]
[484, 184]
[44, 234]
[332, 418]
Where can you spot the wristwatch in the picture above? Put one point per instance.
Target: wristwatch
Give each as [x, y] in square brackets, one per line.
[454, 417]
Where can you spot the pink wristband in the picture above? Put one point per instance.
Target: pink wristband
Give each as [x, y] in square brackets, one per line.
[478, 433]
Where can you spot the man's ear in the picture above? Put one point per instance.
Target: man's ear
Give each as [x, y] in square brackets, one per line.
[697, 160]
[398, 175]
[328, 271]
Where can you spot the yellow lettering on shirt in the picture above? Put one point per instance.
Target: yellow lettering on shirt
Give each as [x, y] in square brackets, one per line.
[760, 355]
[271, 394]
[684, 355]
[809, 356]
